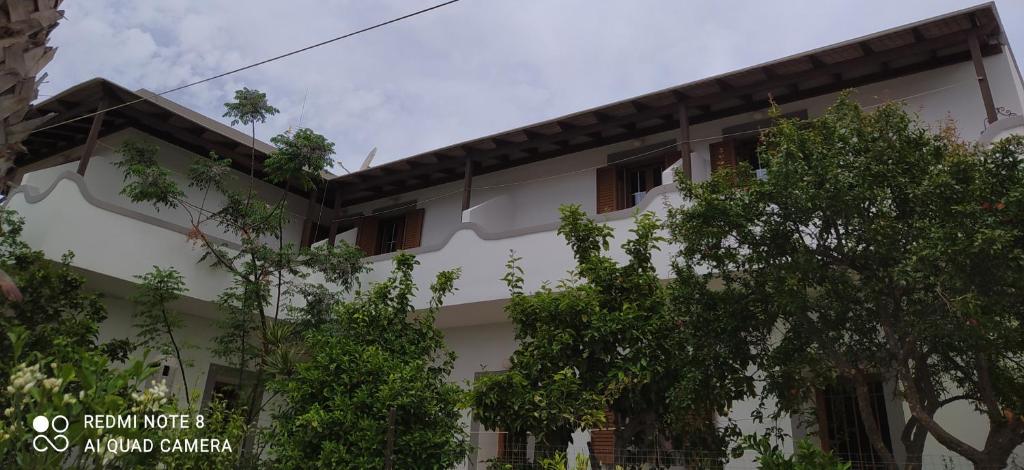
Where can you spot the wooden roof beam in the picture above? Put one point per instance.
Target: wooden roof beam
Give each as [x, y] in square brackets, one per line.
[939, 42]
[918, 35]
[542, 139]
[564, 126]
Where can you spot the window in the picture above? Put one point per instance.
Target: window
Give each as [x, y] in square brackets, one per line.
[625, 185]
[638, 180]
[377, 236]
[845, 434]
[228, 394]
[741, 146]
[390, 233]
[746, 152]
[229, 386]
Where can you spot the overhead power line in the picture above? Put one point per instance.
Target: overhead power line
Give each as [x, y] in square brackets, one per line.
[257, 64]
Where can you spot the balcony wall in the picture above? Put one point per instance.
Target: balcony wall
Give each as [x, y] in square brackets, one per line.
[105, 181]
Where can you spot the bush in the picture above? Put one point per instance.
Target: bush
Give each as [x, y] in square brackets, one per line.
[41, 386]
[62, 319]
[370, 358]
[807, 456]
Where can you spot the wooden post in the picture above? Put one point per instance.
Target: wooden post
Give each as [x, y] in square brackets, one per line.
[467, 184]
[307, 226]
[684, 141]
[979, 70]
[332, 234]
[90, 141]
[389, 442]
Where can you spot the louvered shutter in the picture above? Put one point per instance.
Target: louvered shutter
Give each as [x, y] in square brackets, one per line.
[413, 229]
[607, 189]
[602, 441]
[722, 154]
[366, 235]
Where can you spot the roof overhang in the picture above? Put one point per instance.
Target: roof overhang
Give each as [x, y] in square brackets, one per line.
[913, 48]
[908, 49]
[145, 111]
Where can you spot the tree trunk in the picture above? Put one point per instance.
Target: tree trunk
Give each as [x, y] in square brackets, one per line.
[914, 437]
[1005, 434]
[871, 425]
[25, 27]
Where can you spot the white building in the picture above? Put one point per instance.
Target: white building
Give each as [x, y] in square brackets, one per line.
[469, 204]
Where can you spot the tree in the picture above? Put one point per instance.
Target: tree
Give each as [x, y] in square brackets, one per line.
[25, 28]
[875, 246]
[157, 321]
[62, 317]
[603, 339]
[248, 108]
[375, 355]
[268, 272]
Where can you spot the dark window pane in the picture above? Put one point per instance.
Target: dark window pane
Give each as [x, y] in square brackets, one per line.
[389, 235]
[846, 432]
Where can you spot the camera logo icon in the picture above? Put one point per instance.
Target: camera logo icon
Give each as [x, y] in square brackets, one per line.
[42, 442]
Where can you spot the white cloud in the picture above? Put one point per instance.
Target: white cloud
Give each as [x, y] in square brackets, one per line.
[466, 70]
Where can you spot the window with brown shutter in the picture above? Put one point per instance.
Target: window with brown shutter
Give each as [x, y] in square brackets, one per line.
[607, 189]
[380, 235]
[602, 441]
[390, 234]
[637, 181]
[723, 154]
[366, 235]
[413, 229]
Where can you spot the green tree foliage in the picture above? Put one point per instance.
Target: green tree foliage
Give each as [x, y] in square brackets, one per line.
[249, 107]
[603, 339]
[874, 247]
[269, 272]
[49, 386]
[92, 385]
[61, 316]
[300, 157]
[808, 456]
[373, 354]
[156, 321]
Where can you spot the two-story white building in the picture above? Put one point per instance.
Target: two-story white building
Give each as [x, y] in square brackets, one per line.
[469, 204]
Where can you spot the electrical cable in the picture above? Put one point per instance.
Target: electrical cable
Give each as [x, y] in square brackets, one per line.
[255, 64]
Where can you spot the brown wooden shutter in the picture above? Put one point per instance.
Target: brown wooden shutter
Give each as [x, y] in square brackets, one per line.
[602, 441]
[722, 154]
[366, 235]
[607, 189]
[413, 229]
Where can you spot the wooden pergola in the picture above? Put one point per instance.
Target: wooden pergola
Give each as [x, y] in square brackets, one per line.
[966, 35]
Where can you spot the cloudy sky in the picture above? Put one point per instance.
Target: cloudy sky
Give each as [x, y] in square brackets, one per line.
[466, 70]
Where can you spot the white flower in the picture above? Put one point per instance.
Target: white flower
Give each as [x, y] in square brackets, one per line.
[52, 383]
[24, 378]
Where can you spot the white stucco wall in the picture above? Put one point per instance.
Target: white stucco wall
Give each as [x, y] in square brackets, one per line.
[196, 342]
[106, 180]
